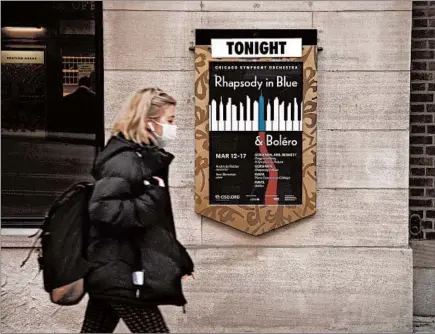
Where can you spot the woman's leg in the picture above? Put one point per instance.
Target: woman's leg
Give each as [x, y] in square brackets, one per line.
[100, 317]
[141, 319]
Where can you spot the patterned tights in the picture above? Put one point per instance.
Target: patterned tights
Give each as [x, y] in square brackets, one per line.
[102, 317]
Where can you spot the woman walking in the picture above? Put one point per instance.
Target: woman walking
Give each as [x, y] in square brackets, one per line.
[137, 261]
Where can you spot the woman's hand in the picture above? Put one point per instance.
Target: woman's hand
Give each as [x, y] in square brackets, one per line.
[159, 180]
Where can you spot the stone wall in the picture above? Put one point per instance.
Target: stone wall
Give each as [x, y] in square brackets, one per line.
[348, 268]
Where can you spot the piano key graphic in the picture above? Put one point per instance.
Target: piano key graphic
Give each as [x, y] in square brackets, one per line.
[228, 109]
[295, 116]
[255, 115]
[275, 116]
[261, 124]
[268, 117]
[221, 124]
[210, 117]
[288, 122]
[234, 120]
[255, 118]
[281, 117]
[241, 118]
[248, 123]
[213, 116]
[301, 119]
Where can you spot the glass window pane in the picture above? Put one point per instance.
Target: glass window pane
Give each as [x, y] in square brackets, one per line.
[52, 117]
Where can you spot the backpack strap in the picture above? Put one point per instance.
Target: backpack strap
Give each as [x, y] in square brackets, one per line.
[38, 236]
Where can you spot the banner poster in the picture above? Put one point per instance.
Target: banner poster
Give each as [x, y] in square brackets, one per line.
[255, 133]
[255, 127]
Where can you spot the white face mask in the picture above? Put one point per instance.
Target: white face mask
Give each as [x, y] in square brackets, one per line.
[169, 133]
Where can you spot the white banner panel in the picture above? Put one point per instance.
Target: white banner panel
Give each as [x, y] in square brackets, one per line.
[256, 48]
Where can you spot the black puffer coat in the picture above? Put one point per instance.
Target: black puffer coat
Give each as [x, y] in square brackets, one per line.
[133, 228]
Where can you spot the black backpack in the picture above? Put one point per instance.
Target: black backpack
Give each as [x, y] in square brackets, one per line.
[64, 238]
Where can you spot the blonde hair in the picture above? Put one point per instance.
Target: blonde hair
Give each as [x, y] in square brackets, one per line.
[144, 105]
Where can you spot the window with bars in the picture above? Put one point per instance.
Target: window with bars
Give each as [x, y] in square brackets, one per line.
[75, 67]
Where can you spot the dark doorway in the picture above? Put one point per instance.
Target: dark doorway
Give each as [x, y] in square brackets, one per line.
[52, 102]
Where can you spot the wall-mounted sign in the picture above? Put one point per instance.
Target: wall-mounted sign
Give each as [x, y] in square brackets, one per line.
[255, 127]
[22, 57]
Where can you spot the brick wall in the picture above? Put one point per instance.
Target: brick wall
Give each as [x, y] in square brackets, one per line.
[422, 142]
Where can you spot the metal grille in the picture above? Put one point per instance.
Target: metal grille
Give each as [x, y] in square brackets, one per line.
[70, 68]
